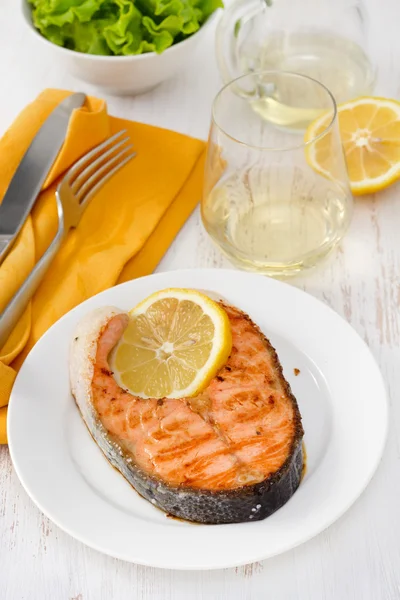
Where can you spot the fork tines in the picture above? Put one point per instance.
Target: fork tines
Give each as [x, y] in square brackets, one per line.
[98, 165]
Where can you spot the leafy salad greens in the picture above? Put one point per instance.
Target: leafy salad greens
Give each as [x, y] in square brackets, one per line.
[120, 27]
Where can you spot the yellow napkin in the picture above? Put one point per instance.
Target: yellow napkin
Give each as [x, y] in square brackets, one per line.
[123, 234]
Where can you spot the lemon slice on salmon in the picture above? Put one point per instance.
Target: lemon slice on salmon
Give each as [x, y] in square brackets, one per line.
[175, 343]
[370, 132]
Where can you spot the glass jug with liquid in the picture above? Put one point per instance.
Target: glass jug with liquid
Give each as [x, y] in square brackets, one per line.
[324, 39]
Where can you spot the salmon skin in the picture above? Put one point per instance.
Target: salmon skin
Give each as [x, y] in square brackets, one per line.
[231, 454]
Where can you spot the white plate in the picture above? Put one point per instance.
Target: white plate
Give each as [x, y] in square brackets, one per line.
[341, 396]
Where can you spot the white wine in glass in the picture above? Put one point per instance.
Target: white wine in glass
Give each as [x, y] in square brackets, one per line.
[264, 205]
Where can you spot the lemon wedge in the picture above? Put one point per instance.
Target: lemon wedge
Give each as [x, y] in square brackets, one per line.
[370, 132]
[175, 343]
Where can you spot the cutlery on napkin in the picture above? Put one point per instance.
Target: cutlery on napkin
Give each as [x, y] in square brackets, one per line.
[79, 185]
[115, 241]
[32, 171]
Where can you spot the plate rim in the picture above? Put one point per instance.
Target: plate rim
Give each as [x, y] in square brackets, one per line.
[336, 515]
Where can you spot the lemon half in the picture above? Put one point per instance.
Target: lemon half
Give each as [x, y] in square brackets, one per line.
[175, 343]
[370, 132]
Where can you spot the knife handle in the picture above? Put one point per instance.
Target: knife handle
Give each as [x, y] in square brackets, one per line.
[4, 245]
[18, 303]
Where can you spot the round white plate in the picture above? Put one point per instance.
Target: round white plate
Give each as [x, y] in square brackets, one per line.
[341, 396]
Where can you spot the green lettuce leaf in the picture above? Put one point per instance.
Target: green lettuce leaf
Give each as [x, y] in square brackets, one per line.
[120, 27]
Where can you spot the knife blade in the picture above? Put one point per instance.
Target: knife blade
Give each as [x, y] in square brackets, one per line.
[32, 171]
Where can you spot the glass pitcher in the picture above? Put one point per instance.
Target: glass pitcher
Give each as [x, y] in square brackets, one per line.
[324, 39]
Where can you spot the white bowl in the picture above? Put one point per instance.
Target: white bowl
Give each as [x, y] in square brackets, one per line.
[122, 75]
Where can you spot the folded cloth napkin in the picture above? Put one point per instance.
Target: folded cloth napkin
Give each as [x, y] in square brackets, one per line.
[123, 234]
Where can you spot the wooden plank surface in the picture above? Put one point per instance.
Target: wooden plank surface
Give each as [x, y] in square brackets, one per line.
[358, 558]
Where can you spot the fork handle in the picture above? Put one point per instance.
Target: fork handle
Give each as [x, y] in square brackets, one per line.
[18, 303]
[4, 247]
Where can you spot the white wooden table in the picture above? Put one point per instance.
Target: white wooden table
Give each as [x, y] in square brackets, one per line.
[358, 558]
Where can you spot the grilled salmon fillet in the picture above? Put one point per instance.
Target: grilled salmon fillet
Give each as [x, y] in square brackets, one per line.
[232, 453]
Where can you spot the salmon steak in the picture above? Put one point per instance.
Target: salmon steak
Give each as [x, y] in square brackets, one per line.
[231, 454]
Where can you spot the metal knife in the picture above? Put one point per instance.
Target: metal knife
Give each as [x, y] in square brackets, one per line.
[33, 170]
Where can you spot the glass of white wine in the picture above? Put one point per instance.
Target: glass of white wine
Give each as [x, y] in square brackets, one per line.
[276, 199]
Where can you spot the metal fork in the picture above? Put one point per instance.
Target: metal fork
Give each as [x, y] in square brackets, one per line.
[73, 195]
